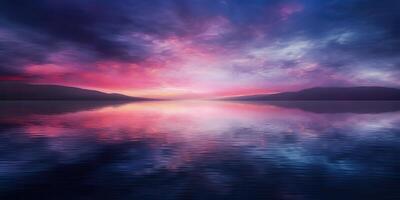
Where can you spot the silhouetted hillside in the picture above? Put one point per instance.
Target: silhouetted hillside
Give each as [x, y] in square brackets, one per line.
[330, 93]
[24, 91]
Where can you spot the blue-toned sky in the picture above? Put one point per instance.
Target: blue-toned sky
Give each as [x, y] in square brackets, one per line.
[200, 48]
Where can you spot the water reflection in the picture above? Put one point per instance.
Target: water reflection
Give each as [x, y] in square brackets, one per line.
[199, 150]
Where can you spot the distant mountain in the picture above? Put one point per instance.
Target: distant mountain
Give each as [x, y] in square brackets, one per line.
[24, 91]
[329, 94]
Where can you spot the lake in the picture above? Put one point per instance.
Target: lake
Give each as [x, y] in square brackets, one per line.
[199, 150]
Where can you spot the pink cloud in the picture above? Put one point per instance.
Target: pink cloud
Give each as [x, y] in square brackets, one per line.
[289, 9]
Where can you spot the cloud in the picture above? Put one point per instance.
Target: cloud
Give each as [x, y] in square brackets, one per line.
[200, 45]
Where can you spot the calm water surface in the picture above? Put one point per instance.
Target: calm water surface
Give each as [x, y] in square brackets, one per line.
[200, 150]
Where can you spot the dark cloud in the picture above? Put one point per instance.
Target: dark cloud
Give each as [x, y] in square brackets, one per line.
[87, 24]
[16, 52]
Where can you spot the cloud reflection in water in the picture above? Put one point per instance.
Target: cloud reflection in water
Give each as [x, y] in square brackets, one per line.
[197, 149]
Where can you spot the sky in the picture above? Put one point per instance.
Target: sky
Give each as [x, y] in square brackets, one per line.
[200, 48]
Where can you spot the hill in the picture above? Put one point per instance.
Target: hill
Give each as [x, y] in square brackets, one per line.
[24, 91]
[329, 94]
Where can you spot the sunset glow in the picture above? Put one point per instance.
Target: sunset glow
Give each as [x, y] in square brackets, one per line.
[199, 49]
